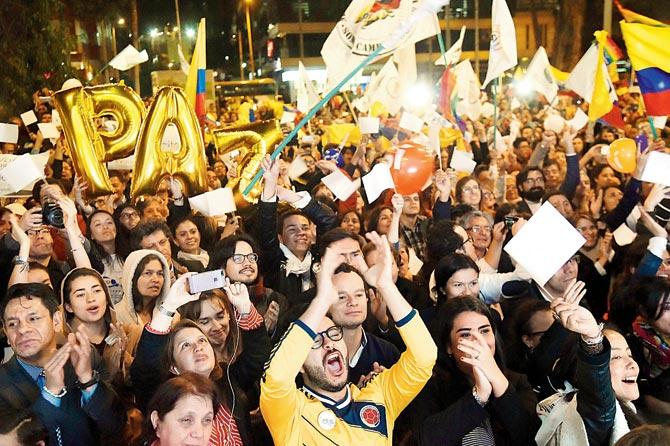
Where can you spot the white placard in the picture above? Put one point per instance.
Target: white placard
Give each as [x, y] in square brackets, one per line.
[171, 142]
[554, 122]
[368, 125]
[579, 120]
[287, 117]
[410, 122]
[377, 181]
[9, 133]
[657, 169]
[214, 203]
[297, 168]
[545, 243]
[461, 162]
[659, 122]
[55, 118]
[21, 171]
[340, 185]
[49, 130]
[623, 235]
[415, 263]
[28, 118]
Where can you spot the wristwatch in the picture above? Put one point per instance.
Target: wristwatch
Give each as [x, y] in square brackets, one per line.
[165, 311]
[19, 260]
[95, 379]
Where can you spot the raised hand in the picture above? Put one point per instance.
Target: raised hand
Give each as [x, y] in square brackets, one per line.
[18, 233]
[80, 355]
[270, 177]
[378, 307]
[376, 369]
[325, 288]
[381, 272]
[573, 316]
[69, 211]
[443, 184]
[398, 202]
[271, 317]
[179, 294]
[238, 295]
[54, 374]
[32, 219]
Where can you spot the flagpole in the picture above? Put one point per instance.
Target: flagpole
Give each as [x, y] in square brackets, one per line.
[351, 109]
[427, 7]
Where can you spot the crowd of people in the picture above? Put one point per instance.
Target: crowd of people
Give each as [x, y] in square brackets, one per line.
[395, 321]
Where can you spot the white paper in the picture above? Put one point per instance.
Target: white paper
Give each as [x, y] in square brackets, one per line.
[579, 120]
[657, 169]
[287, 117]
[623, 235]
[21, 172]
[297, 168]
[9, 133]
[461, 162]
[28, 117]
[55, 118]
[397, 160]
[368, 125]
[377, 181]
[40, 161]
[415, 263]
[410, 122]
[659, 122]
[128, 58]
[122, 164]
[554, 122]
[214, 203]
[49, 130]
[340, 185]
[171, 142]
[545, 243]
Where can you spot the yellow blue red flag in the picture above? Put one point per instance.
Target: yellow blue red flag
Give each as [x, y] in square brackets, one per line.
[195, 82]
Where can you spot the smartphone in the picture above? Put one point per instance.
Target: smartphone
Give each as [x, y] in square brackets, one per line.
[206, 281]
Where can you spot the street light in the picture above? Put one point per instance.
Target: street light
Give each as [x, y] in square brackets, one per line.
[121, 21]
[153, 33]
[190, 33]
[251, 45]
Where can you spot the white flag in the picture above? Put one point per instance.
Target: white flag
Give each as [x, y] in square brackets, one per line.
[128, 58]
[387, 88]
[453, 54]
[307, 95]
[405, 57]
[183, 63]
[582, 79]
[539, 76]
[366, 25]
[502, 53]
[467, 90]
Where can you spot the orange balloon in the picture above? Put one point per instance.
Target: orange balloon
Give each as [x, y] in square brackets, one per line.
[416, 168]
[623, 155]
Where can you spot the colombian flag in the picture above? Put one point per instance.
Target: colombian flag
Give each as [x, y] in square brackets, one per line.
[647, 44]
[195, 82]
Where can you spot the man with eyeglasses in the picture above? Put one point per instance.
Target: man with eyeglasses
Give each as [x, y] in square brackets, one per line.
[328, 409]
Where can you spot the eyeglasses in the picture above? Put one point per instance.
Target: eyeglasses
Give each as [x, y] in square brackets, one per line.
[32, 233]
[334, 333]
[477, 229]
[574, 259]
[471, 189]
[538, 180]
[239, 258]
[127, 215]
[467, 240]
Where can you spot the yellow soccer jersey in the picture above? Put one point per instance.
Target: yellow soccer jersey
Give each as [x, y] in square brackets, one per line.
[364, 416]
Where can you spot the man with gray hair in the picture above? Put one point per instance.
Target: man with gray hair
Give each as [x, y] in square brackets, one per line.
[488, 239]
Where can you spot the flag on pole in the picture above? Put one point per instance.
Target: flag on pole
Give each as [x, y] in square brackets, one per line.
[453, 54]
[502, 53]
[307, 95]
[539, 75]
[183, 63]
[195, 81]
[468, 91]
[383, 89]
[634, 17]
[591, 81]
[128, 58]
[647, 45]
[365, 26]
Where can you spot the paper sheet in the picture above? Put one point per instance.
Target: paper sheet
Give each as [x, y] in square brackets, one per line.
[21, 171]
[545, 243]
[340, 185]
[657, 169]
[49, 130]
[461, 162]
[287, 117]
[297, 168]
[214, 203]
[9, 133]
[368, 125]
[623, 235]
[377, 181]
[410, 122]
[28, 118]
[579, 120]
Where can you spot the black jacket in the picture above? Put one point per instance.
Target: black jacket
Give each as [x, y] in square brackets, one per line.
[100, 421]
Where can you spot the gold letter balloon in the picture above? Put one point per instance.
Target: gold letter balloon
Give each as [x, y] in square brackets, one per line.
[253, 141]
[91, 143]
[188, 162]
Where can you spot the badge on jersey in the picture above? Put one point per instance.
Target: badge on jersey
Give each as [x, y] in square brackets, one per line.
[327, 420]
[370, 416]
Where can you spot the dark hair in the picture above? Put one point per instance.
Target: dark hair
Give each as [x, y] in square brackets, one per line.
[32, 265]
[189, 217]
[447, 267]
[597, 170]
[517, 142]
[361, 228]
[145, 229]
[523, 175]
[374, 215]
[444, 241]
[503, 211]
[460, 184]
[171, 391]
[38, 187]
[225, 248]
[335, 235]
[96, 247]
[550, 162]
[285, 215]
[122, 233]
[647, 435]
[67, 289]
[652, 295]
[31, 291]
[190, 312]
[554, 193]
[29, 428]
[143, 202]
[345, 268]
[137, 296]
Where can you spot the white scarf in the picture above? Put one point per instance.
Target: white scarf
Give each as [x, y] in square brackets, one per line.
[202, 257]
[296, 266]
[620, 427]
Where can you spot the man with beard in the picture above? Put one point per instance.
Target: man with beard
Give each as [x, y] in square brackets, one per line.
[237, 255]
[530, 182]
[327, 408]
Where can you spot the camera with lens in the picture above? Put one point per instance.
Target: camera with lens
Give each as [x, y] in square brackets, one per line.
[52, 215]
[509, 221]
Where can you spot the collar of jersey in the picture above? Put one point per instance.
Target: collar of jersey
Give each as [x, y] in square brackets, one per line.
[344, 402]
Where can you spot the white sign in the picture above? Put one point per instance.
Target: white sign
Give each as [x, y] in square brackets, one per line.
[410, 122]
[214, 203]
[9, 133]
[368, 125]
[461, 162]
[657, 168]
[340, 185]
[377, 181]
[28, 117]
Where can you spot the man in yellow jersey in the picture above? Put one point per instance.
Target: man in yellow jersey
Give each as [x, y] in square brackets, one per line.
[328, 409]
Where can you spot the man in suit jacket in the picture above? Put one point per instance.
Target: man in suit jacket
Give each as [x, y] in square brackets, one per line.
[62, 386]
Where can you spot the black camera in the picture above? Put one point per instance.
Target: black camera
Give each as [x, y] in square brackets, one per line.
[509, 221]
[52, 215]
